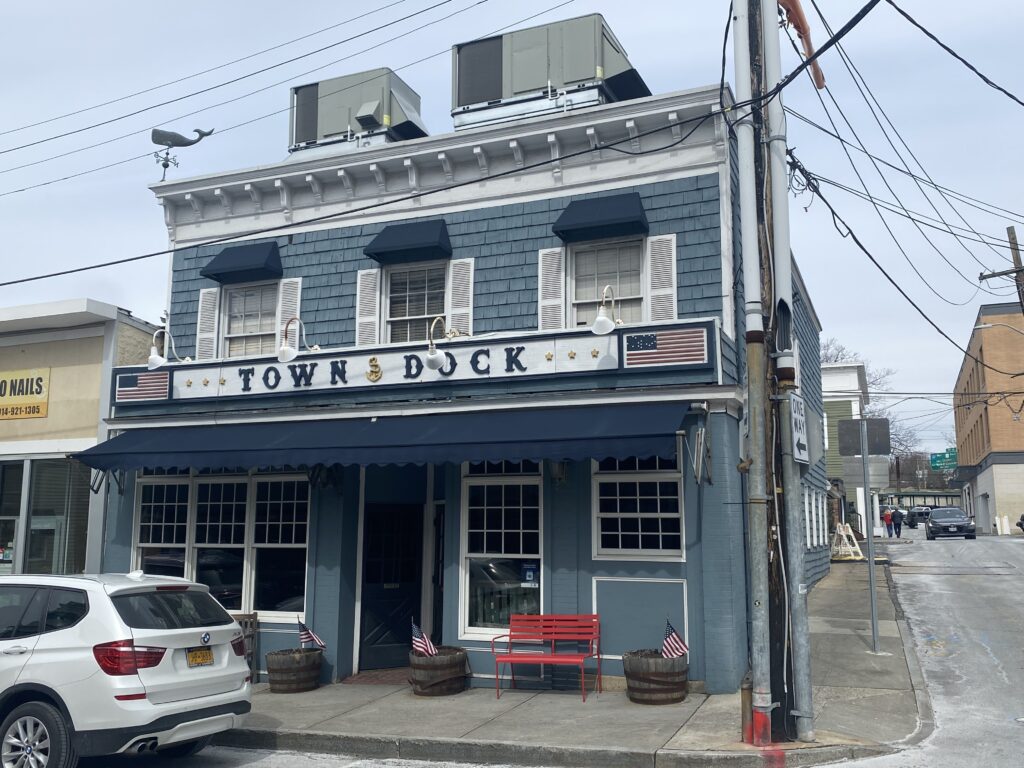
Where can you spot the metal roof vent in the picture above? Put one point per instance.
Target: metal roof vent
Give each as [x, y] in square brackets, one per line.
[551, 68]
[359, 110]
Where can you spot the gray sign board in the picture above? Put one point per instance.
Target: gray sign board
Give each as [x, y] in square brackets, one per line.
[878, 437]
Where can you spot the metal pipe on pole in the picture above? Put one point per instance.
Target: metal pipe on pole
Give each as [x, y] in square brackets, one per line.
[785, 371]
[869, 534]
[746, 43]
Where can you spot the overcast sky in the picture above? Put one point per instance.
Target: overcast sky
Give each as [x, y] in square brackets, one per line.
[62, 56]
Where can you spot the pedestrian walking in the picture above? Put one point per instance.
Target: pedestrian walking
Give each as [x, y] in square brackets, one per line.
[897, 521]
[887, 519]
[1020, 523]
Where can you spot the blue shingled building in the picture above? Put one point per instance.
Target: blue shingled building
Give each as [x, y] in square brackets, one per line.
[449, 434]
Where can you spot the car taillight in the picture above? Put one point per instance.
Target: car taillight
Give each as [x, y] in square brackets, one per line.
[238, 646]
[123, 657]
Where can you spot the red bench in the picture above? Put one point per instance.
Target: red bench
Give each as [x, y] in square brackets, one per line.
[549, 630]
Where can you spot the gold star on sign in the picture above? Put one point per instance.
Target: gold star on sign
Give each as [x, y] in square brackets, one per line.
[594, 353]
[188, 382]
[549, 356]
[206, 382]
[572, 354]
[224, 381]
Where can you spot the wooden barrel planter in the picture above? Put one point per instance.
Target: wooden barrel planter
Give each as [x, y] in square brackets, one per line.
[653, 679]
[440, 675]
[294, 670]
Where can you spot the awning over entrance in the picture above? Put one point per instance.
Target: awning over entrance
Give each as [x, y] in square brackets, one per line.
[566, 433]
[599, 217]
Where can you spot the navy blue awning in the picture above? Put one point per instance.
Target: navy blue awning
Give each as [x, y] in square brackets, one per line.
[245, 263]
[567, 433]
[413, 241]
[599, 217]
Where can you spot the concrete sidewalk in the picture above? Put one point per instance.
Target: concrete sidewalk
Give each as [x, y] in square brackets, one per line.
[863, 704]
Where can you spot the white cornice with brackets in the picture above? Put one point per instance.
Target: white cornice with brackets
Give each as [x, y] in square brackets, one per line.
[241, 202]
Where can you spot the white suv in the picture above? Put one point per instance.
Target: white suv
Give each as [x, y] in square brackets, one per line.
[98, 665]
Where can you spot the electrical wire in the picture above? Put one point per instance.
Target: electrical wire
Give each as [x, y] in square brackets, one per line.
[837, 220]
[246, 95]
[216, 86]
[183, 78]
[699, 120]
[725, 48]
[955, 55]
[221, 132]
[858, 81]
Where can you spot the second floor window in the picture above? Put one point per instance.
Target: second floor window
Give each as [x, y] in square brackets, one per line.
[415, 296]
[250, 320]
[616, 264]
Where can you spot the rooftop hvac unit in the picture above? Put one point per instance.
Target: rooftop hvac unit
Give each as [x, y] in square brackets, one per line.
[370, 107]
[550, 68]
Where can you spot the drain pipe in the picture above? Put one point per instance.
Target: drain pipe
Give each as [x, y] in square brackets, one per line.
[757, 499]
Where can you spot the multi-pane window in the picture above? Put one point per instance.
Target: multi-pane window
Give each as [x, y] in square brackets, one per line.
[526, 467]
[416, 295]
[815, 503]
[243, 537]
[503, 545]
[616, 264]
[250, 320]
[638, 507]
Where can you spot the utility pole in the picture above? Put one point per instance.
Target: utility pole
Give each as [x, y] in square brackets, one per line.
[747, 42]
[1017, 271]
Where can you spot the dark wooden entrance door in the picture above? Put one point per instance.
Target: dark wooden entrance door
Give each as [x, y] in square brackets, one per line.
[392, 574]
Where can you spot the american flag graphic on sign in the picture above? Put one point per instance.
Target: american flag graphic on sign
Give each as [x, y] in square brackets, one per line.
[672, 647]
[142, 386]
[685, 345]
[421, 643]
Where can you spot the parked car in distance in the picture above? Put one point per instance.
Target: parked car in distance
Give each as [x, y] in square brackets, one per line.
[948, 521]
[917, 515]
[113, 663]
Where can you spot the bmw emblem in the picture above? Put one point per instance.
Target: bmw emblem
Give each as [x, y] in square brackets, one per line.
[205, 638]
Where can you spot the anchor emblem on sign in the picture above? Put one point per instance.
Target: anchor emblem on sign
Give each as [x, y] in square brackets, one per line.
[375, 373]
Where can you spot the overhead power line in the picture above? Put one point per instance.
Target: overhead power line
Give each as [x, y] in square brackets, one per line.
[811, 182]
[954, 54]
[194, 75]
[612, 145]
[201, 91]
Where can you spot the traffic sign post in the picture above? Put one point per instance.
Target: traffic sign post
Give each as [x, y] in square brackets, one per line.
[944, 462]
[798, 419]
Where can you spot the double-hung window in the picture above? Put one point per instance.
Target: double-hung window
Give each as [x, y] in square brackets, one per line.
[250, 320]
[243, 536]
[619, 265]
[415, 296]
[638, 510]
[501, 514]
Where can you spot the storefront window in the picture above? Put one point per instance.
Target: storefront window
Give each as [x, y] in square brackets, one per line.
[245, 538]
[58, 517]
[637, 508]
[10, 509]
[503, 549]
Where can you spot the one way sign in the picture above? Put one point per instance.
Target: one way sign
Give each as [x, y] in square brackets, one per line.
[798, 412]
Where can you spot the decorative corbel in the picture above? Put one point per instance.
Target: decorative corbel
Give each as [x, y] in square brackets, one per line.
[677, 130]
[410, 166]
[169, 217]
[517, 152]
[380, 176]
[197, 205]
[346, 181]
[634, 135]
[256, 195]
[556, 154]
[286, 197]
[316, 187]
[481, 159]
[446, 165]
[225, 200]
[595, 141]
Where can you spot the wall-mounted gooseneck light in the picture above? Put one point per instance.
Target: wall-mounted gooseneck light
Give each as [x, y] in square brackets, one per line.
[607, 317]
[435, 358]
[155, 358]
[288, 353]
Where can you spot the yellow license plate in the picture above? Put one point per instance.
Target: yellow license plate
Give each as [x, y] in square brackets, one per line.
[199, 657]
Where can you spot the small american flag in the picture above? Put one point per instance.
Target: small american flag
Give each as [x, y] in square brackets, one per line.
[307, 635]
[421, 643]
[672, 647]
[686, 345]
[142, 386]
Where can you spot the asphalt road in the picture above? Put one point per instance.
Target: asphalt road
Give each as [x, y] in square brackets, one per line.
[222, 757]
[964, 601]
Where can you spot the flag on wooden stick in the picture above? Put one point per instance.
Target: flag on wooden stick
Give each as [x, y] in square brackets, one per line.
[672, 647]
[307, 635]
[420, 642]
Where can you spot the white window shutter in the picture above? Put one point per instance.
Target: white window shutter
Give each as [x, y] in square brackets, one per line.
[368, 307]
[661, 277]
[288, 296]
[206, 326]
[460, 295]
[551, 290]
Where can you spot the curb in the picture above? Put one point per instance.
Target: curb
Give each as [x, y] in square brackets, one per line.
[506, 753]
[926, 716]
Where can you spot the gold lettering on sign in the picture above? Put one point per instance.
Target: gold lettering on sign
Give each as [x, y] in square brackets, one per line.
[375, 373]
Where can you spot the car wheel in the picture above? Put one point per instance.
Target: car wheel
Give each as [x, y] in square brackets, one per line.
[35, 734]
[929, 537]
[185, 748]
